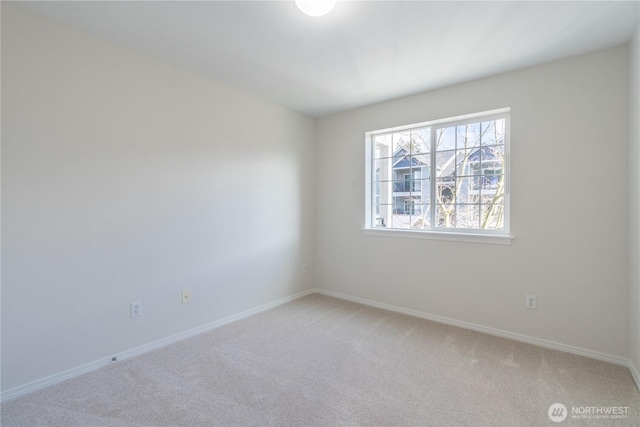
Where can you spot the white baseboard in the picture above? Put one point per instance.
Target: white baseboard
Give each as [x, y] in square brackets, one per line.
[487, 330]
[52, 379]
[74, 372]
[634, 373]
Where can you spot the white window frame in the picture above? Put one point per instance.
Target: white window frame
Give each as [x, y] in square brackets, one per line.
[459, 234]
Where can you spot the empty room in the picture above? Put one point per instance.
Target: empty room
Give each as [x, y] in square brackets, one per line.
[319, 213]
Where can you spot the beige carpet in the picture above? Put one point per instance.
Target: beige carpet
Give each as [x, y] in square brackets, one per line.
[319, 361]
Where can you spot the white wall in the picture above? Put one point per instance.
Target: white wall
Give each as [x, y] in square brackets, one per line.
[125, 179]
[634, 204]
[569, 124]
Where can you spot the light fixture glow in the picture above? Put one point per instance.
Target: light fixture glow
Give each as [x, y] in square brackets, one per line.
[315, 7]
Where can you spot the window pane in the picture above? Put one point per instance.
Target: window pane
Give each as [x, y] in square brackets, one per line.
[493, 132]
[466, 191]
[401, 221]
[401, 142]
[499, 128]
[401, 186]
[492, 169]
[382, 169]
[382, 215]
[421, 161]
[493, 154]
[380, 184]
[383, 191]
[468, 136]
[422, 190]
[445, 163]
[463, 161]
[446, 139]
[382, 146]
[421, 219]
[491, 184]
[420, 140]
[489, 136]
[492, 216]
[421, 224]
[468, 216]
[445, 190]
[446, 216]
[383, 163]
[416, 186]
[489, 199]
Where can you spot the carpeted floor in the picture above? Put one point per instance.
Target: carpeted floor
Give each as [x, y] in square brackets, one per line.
[320, 361]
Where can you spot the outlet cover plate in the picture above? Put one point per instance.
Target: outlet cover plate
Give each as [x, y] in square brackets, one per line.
[136, 309]
[531, 302]
[186, 297]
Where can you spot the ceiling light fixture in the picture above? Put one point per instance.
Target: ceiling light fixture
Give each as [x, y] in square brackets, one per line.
[315, 7]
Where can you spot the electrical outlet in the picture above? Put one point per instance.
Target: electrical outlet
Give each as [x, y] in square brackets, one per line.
[305, 268]
[186, 296]
[136, 309]
[531, 302]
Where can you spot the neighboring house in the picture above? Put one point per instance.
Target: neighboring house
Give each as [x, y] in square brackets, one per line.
[410, 182]
[478, 173]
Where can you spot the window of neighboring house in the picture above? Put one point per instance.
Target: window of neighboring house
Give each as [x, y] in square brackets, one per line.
[446, 176]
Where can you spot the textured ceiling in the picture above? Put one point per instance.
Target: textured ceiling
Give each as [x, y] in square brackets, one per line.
[362, 52]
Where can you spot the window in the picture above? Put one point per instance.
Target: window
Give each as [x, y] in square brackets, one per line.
[446, 176]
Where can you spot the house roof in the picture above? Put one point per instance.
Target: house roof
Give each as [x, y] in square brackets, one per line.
[403, 159]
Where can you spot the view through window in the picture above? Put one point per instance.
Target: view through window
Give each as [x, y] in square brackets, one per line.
[449, 175]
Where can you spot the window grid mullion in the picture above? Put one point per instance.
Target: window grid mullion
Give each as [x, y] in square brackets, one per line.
[372, 192]
[480, 181]
[432, 174]
[410, 178]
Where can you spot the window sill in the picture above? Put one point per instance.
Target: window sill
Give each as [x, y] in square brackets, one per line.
[493, 239]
